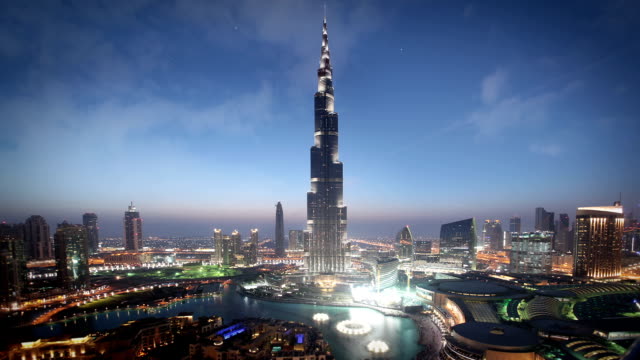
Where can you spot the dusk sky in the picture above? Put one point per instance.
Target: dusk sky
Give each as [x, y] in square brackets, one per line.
[201, 112]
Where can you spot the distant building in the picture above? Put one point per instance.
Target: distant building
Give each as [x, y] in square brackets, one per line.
[562, 241]
[458, 243]
[631, 236]
[251, 255]
[72, 255]
[421, 248]
[385, 273]
[531, 253]
[236, 239]
[492, 235]
[90, 221]
[37, 239]
[132, 229]
[225, 247]
[598, 241]
[279, 231]
[296, 239]
[515, 224]
[404, 244]
[12, 262]
[544, 220]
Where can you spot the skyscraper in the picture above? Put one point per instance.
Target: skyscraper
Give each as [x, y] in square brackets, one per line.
[458, 243]
[326, 213]
[598, 241]
[36, 237]
[562, 241]
[279, 231]
[404, 244]
[531, 253]
[296, 239]
[236, 240]
[253, 247]
[90, 221]
[515, 224]
[72, 255]
[492, 235]
[544, 220]
[217, 242]
[226, 246]
[12, 262]
[132, 229]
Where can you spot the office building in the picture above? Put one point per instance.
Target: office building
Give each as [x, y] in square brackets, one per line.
[279, 231]
[404, 244]
[531, 253]
[492, 235]
[251, 255]
[72, 255]
[598, 241]
[12, 262]
[544, 220]
[90, 221]
[326, 212]
[37, 239]
[421, 248]
[515, 224]
[385, 273]
[562, 241]
[296, 239]
[132, 229]
[458, 243]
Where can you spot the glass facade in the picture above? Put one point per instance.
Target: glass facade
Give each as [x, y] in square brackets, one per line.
[458, 243]
[598, 241]
[72, 255]
[531, 253]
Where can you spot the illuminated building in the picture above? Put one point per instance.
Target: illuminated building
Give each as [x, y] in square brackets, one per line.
[422, 249]
[385, 273]
[326, 212]
[458, 243]
[38, 244]
[90, 221]
[279, 231]
[404, 244]
[226, 246]
[544, 220]
[562, 242]
[531, 253]
[487, 341]
[251, 255]
[598, 241]
[12, 262]
[72, 255]
[515, 224]
[492, 235]
[236, 240]
[132, 229]
[631, 236]
[296, 240]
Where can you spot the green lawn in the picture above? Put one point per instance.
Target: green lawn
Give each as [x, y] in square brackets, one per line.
[184, 273]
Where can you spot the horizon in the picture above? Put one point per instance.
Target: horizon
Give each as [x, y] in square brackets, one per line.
[203, 117]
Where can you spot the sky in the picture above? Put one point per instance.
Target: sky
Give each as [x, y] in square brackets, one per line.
[201, 112]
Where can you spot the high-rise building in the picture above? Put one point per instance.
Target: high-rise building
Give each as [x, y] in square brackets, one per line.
[631, 236]
[562, 241]
[421, 248]
[492, 235]
[251, 255]
[226, 246]
[515, 225]
[38, 244]
[544, 220]
[458, 243]
[217, 242]
[326, 212]
[404, 244]
[236, 240]
[279, 231]
[385, 273]
[90, 221]
[598, 241]
[72, 255]
[12, 262]
[531, 253]
[296, 239]
[132, 229]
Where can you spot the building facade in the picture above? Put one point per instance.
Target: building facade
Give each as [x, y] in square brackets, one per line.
[531, 253]
[492, 235]
[385, 273]
[404, 244]
[562, 241]
[544, 220]
[598, 241]
[326, 212]
[458, 243]
[12, 262]
[226, 246]
[296, 239]
[90, 221]
[72, 255]
[132, 229]
[279, 231]
[37, 239]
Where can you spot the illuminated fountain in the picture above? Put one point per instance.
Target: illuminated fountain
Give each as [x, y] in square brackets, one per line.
[352, 327]
[321, 317]
[378, 347]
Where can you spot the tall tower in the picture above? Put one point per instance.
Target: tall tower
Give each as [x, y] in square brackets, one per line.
[38, 245]
[90, 221]
[13, 267]
[279, 231]
[404, 244]
[326, 213]
[598, 241]
[72, 255]
[544, 220]
[132, 229]
[253, 246]
[492, 235]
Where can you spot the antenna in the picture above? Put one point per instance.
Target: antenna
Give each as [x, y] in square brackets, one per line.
[325, 10]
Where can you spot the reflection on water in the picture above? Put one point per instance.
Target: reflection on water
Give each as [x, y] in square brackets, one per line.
[400, 333]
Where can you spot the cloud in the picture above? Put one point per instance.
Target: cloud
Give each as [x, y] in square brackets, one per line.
[546, 149]
[492, 85]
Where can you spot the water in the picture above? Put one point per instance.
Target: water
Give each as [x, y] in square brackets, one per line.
[400, 333]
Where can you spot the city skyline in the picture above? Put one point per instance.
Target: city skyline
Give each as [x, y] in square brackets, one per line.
[536, 111]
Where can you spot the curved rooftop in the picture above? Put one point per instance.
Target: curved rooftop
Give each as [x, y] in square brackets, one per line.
[481, 335]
